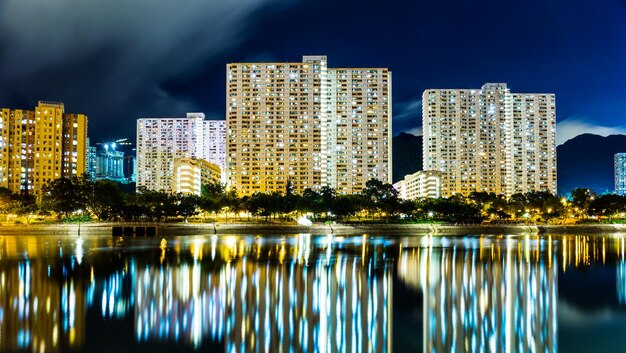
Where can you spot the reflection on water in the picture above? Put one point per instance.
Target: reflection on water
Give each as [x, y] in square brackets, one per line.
[253, 297]
[489, 296]
[294, 293]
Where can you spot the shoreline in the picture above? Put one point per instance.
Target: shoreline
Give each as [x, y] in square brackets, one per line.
[166, 229]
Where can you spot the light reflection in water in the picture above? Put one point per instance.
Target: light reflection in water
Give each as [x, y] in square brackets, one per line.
[258, 307]
[294, 293]
[251, 294]
[39, 314]
[484, 298]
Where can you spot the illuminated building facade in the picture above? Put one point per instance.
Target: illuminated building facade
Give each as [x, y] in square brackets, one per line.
[160, 141]
[215, 142]
[620, 174]
[91, 160]
[306, 124]
[112, 161]
[490, 139]
[110, 165]
[39, 146]
[422, 184]
[130, 168]
[190, 174]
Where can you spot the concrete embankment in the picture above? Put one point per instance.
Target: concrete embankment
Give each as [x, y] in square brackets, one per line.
[167, 229]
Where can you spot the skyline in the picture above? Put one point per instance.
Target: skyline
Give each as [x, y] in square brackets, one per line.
[129, 64]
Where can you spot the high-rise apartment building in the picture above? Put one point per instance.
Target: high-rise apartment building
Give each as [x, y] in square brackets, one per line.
[490, 139]
[92, 152]
[39, 146]
[162, 140]
[215, 142]
[620, 174]
[306, 124]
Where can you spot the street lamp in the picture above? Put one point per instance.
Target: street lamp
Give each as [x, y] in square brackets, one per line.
[79, 212]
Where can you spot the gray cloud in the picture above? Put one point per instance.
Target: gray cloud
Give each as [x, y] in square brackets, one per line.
[576, 125]
[408, 117]
[410, 110]
[117, 51]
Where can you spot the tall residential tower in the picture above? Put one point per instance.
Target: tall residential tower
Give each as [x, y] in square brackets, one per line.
[39, 146]
[307, 125]
[490, 139]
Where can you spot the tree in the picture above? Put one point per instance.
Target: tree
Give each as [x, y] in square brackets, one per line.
[155, 205]
[310, 201]
[326, 199]
[346, 205]
[105, 199]
[186, 205]
[212, 197]
[581, 199]
[452, 209]
[607, 205]
[232, 203]
[65, 196]
[23, 205]
[6, 197]
[381, 197]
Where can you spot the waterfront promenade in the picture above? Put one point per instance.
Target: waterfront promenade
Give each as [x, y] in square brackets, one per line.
[173, 229]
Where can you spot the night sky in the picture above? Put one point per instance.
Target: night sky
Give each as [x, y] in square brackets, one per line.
[117, 60]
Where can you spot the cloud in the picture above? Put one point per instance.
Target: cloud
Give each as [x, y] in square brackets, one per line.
[408, 117]
[577, 125]
[410, 110]
[119, 52]
[417, 131]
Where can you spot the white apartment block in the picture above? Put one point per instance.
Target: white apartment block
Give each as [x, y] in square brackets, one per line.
[307, 124]
[359, 140]
[215, 142]
[422, 184]
[490, 139]
[162, 140]
[620, 174]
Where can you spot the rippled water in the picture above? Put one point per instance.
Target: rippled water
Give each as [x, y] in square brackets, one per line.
[306, 293]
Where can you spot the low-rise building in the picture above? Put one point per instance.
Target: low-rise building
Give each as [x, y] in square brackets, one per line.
[422, 184]
[191, 173]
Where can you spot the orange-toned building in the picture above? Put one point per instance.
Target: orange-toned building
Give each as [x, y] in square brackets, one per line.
[39, 146]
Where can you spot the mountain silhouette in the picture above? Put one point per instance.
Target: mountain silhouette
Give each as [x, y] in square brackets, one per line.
[407, 155]
[586, 161]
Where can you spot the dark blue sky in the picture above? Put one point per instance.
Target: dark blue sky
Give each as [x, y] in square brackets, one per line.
[118, 60]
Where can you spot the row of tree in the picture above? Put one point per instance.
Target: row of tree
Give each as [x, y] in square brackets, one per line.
[104, 200]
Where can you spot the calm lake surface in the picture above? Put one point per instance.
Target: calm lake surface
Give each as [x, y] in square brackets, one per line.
[306, 293]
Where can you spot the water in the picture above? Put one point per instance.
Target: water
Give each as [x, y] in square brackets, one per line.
[306, 293]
